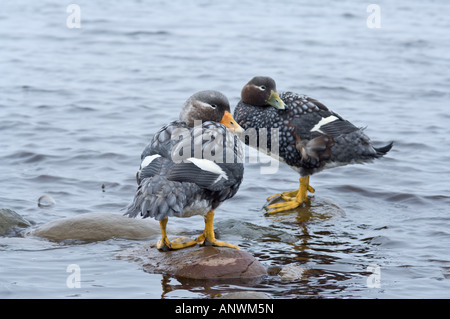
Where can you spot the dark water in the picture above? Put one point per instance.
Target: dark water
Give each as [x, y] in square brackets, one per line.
[77, 107]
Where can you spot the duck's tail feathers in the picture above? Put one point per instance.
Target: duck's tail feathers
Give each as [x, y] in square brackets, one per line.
[381, 151]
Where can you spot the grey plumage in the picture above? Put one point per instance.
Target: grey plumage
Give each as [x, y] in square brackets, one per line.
[311, 137]
[172, 185]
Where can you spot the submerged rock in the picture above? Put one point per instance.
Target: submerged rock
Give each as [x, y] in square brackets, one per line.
[10, 220]
[97, 226]
[197, 262]
[292, 272]
[244, 295]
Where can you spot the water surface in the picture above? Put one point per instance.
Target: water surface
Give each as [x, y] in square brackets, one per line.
[77, 107]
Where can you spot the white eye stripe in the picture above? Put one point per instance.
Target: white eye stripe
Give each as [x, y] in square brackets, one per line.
[208, 166]
[203, 104]
[260, 87]
[323, 122]
[148, 159]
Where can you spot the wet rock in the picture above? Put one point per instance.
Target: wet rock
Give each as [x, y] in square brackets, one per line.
[252, 231]
[292, 272]
[197, 262]
[46, 201]
[244, 295]
[10, 221]
[97, 226]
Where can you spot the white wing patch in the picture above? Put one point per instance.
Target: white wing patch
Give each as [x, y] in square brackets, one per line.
[209, 166]
[323, 122]
[148, 159]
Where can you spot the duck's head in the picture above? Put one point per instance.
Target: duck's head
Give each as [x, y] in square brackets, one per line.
[209, 106]
[262, 91]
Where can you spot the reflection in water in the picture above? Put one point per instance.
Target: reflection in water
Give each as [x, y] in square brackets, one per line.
[165, 285]
[306, 236]
[208, 288]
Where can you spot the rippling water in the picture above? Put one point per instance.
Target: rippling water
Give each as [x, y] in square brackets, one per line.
[77, 107]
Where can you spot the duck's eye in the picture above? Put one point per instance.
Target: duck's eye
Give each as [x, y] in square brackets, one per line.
[262, 87]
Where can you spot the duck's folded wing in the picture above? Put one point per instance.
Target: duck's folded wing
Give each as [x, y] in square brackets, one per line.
[203, 172]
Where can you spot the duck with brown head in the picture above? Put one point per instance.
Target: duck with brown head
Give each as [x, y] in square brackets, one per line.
[262, 91]
[311, 137]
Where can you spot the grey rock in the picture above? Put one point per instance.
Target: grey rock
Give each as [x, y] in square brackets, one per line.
[46, 201]
[292, 272]
[9, 220]
[97, 226]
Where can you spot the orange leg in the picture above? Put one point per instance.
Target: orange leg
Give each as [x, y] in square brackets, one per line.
[293, 199]
[207, 238]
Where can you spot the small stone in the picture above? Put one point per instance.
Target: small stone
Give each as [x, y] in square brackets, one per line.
[46, 201]
[292, 272]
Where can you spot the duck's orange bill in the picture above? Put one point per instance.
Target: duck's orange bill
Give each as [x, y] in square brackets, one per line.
[230, 123]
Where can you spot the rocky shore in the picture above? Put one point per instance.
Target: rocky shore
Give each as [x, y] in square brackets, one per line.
[203, 263]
